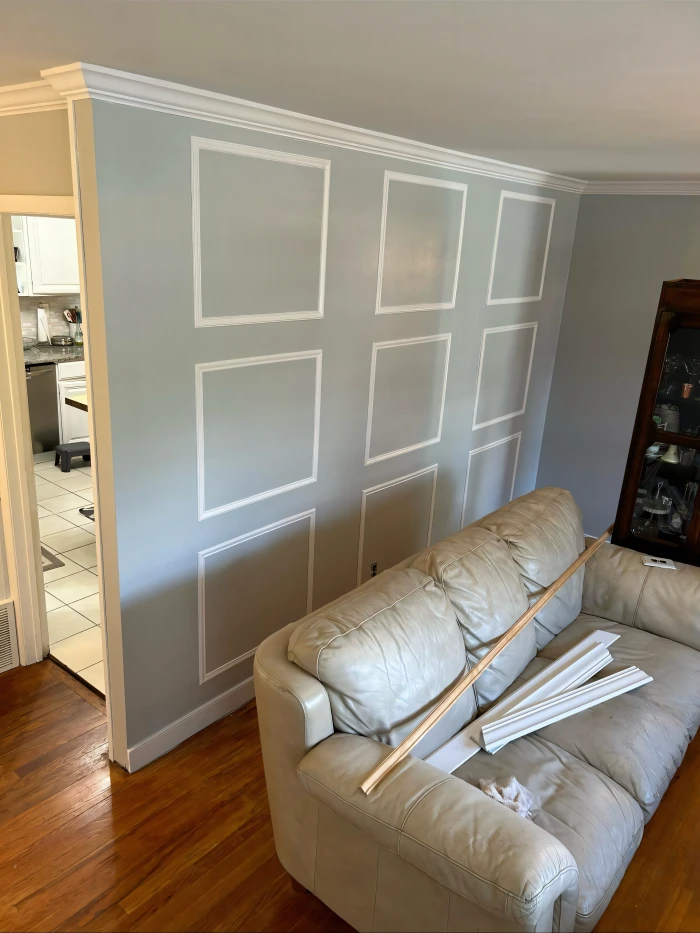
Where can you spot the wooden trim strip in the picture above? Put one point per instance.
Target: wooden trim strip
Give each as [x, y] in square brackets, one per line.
[448, 701]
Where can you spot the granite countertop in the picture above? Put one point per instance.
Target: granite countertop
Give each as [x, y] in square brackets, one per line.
[53, 355]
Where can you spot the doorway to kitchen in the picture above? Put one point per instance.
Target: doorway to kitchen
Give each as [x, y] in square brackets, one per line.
[47, 281]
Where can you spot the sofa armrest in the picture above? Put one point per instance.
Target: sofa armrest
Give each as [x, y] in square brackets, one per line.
[619, 587]
[448, 829]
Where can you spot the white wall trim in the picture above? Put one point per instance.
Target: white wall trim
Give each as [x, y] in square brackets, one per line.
[166, 739]
[683, 188]
[216, 145]
[204, 674]
[32, 97]
[393, 482]
[81, 80]
[479, 450]
[200, 369]
[537, 716]
[517, 196]
[570, 670]
[430, 182]
[512, 414]
[386, 344]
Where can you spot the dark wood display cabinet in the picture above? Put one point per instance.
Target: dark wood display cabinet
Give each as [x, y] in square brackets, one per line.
[659, 508]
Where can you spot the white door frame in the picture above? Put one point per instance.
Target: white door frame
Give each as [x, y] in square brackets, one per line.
[17, 490]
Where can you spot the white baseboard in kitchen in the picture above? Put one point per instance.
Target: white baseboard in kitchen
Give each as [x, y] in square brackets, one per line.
[159, 743]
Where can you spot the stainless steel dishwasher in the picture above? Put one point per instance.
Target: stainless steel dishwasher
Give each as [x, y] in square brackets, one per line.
[43, 406]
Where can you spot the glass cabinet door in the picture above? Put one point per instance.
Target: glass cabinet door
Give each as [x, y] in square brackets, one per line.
[677, 408]
[667, 494]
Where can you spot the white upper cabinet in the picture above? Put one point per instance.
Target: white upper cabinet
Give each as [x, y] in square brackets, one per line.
[51, 257]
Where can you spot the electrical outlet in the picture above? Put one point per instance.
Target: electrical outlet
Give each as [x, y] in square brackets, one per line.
[373, 569]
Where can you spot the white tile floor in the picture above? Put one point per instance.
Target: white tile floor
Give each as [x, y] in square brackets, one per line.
[72, 603]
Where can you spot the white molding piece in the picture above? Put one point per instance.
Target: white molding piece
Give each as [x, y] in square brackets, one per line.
[683, 188]
[386, 344]
[513, 414]
[80, 80]
[517, 196]
[200, 369]
[480, 450]
[204, 674]
[393, 482]
[273, 155]
[166, 739]
[42, 205]
[497, 734]
[434, 183]
[32, 97]
[570, 670]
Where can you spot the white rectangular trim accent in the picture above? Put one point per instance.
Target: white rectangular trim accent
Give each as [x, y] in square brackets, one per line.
[204, 674]
[200, 369]
[79, 80]
[143, 753]
[435, 183]
[512, 414]
[479, 450]
[520, 197]
[393, 482]
[498, 733]
[570, 670]
[217, 145]
[383, 345]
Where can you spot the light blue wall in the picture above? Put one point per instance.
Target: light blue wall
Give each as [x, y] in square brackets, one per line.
[625, 247]
[143, 164]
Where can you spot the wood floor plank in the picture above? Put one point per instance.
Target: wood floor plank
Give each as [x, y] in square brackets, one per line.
[186, 843]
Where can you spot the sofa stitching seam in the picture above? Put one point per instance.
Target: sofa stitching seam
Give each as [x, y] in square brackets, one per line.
[413, 807]
[641, 593]
[476, 547]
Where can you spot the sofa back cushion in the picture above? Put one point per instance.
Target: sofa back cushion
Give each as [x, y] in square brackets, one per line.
[386, 655]
[544, 533]
[483, 583]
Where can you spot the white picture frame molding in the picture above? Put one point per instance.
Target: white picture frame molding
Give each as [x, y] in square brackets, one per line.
[199, 144]
[204, 674]
[479, 450]
[388, 344]
[476, 426]
[386, 485]
[200, 369]
[519, 196]
[390, 176]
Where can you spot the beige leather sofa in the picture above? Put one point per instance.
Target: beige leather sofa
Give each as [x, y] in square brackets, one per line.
[427, 850]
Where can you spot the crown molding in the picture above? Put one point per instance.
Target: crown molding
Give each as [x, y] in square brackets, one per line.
[79, 81]
[32, 97]
[643, 187]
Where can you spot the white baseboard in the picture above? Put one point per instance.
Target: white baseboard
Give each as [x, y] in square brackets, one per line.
[163, 741]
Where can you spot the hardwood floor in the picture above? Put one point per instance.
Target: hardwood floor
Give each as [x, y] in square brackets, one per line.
[186, 843]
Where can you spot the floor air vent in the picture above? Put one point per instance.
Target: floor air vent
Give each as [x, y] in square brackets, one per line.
[9, 657]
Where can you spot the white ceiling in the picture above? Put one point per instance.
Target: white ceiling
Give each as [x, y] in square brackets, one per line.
[596, 90]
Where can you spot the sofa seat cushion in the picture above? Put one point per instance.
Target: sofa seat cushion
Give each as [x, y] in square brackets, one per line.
[597, 821]
[386, 654]
[638, 739]
[482, 582]
[544, 533]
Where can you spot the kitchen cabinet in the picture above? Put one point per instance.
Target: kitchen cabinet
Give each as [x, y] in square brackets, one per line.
[47, 260]
[73, 423]
[659, 508]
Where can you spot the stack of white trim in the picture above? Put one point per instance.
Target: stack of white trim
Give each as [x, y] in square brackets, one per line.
[553, 694]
